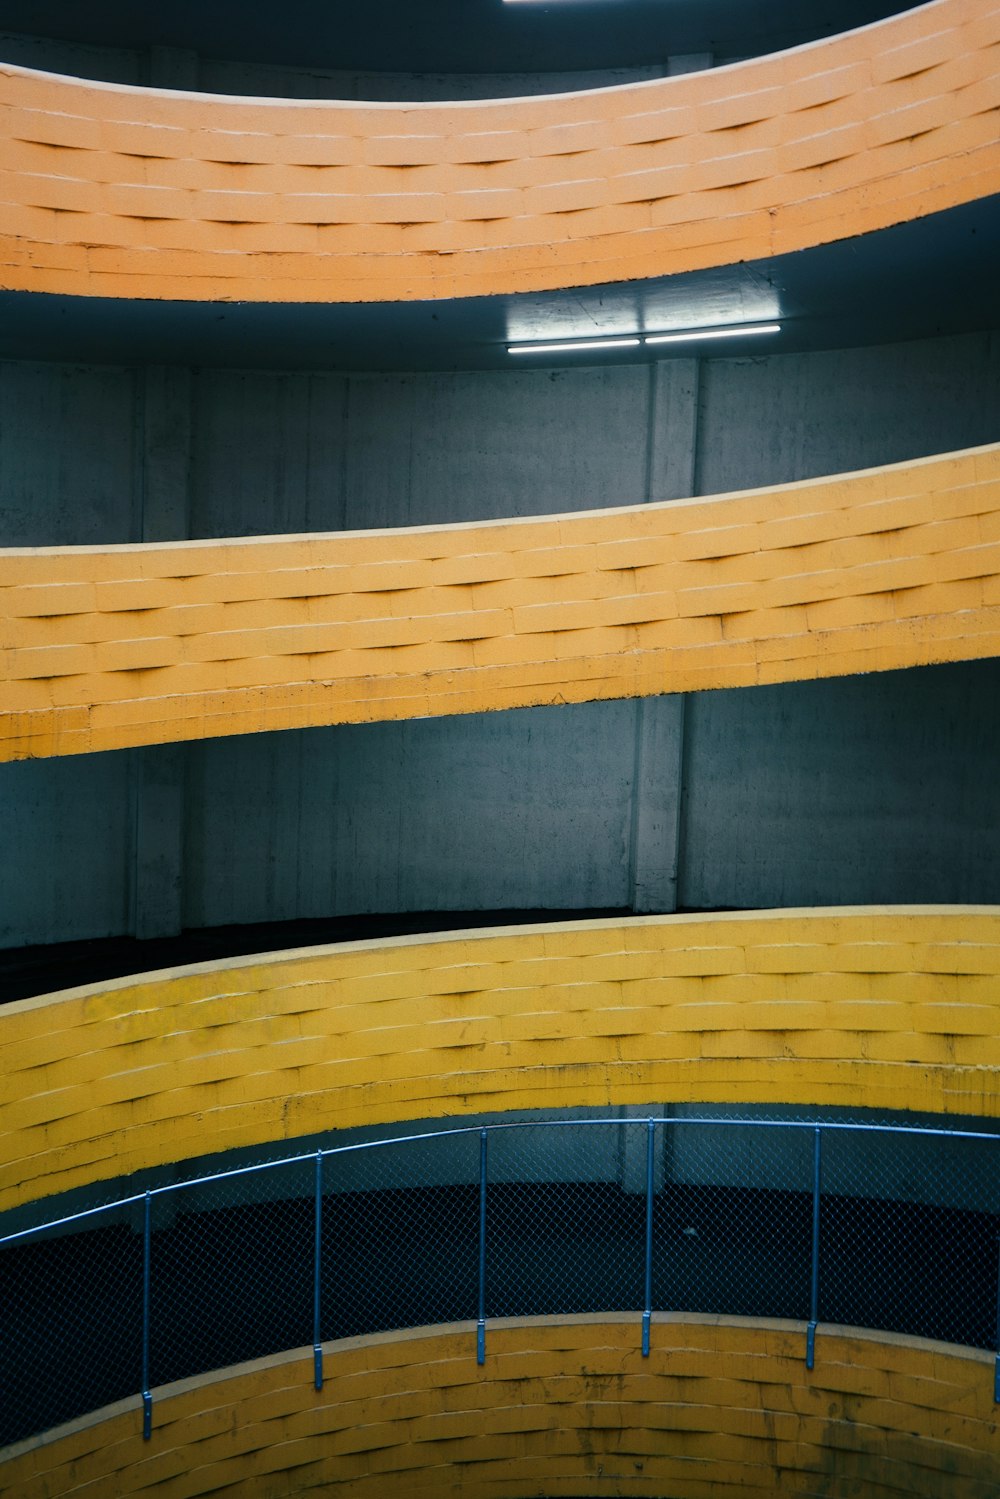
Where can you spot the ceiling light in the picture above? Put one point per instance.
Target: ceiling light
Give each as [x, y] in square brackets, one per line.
[573, 345]
[740, 330]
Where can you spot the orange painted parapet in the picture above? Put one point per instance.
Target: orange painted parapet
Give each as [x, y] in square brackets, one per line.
[109, 647]
[116, 191]
[881, 1007]
[723, 1408]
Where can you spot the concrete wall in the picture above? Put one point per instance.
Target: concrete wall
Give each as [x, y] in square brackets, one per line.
[86, 453]
[879, 788]
[285, 452]
[70, 469]
[175, 67]
[219, 76]
[795, 417]
[108, 64]
[444, 814]
[66, 832]
[866, 789]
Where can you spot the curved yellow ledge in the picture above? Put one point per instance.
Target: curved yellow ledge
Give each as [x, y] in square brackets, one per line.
[887, 1008]
[117, 191]
[721, 1409]
[110, 647]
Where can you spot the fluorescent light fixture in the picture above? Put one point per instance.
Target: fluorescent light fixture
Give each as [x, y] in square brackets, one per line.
[740, 330]
[572, 346]
[632, 341]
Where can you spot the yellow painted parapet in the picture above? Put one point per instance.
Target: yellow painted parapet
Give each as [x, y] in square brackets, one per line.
[723, 1408]
[880, 1007]
[107, 647]
[119, 191]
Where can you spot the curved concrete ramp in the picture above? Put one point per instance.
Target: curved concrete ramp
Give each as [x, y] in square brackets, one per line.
[123, 192]
[722, 1409]
[125, 645]
[877, 1007]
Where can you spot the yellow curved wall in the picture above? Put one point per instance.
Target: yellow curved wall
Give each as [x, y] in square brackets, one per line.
[722, 1409]
[115, 646]
[887, 1008]
[117, 191]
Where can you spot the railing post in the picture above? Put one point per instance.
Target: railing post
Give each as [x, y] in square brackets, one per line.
[647, 1302]
[481, 1318]
[317, 1274]
[814, 1276]
[996, 1365]
[147, 1399]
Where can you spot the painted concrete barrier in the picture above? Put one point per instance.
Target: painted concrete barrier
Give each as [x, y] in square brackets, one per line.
[879, 1007]
[722, 1409]
[110, 190]
[110, 647]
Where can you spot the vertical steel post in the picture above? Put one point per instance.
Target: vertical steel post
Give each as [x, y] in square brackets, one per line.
[647, 1314]
[481, 1321]
[147, 1399]
[317, 1274]
[996, 1366]
[814, 1277]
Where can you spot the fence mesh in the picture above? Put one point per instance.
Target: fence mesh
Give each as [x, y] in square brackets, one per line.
[733, 1221]
[71, 1337]
[400, 1236]
[577, 1217]
[909, 1236]
[230, 1271]
[565, 1224]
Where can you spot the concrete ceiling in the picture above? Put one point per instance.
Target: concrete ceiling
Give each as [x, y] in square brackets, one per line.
[934, 276]
[448, 36]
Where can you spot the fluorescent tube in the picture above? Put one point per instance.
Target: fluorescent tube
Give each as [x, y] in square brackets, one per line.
[570, 347]
[741, 330]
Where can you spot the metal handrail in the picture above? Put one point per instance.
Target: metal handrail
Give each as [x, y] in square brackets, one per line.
[325, 1152]
[651, 1124]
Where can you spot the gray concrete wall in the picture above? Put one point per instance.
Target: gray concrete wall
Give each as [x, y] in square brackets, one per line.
[216, 75]
[797, 416]
[521, 809]
[86, 452]
[280, 452]
[877, 788]
[880, 788]
[66, 829]
[77, 59]
[187, 70]
[68, 455]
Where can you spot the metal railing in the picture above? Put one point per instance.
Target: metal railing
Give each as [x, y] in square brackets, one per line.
[877, 1226]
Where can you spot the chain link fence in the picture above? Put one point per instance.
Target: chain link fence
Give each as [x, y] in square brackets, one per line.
[870, 1226]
